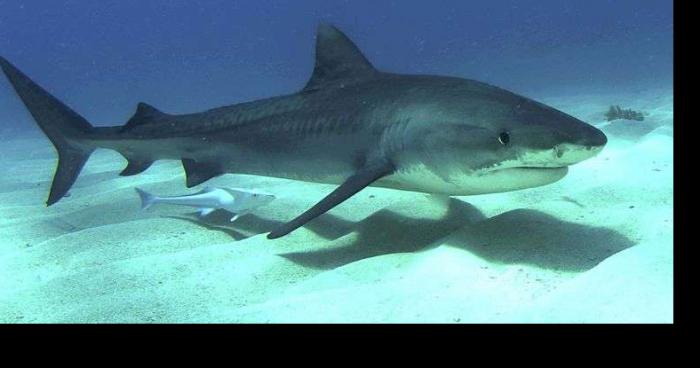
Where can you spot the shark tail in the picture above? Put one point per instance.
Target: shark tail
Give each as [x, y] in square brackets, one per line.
[147, 199]
[64, 127]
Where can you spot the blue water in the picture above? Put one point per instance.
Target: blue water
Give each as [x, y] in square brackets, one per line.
[103, 57]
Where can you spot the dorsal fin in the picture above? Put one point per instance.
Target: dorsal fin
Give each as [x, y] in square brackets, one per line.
[338, 61]
[144, 114]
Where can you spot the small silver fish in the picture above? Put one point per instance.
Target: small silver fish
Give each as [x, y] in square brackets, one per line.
[235, 200]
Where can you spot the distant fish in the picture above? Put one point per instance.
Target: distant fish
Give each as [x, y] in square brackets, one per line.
[235, 200]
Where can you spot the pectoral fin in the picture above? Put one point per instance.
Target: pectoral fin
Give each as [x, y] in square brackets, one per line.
[352, 185]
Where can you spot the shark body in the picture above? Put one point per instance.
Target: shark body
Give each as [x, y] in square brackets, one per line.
[351, 125]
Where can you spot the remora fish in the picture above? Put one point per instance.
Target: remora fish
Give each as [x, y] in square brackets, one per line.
[351, 125]
[235, 200]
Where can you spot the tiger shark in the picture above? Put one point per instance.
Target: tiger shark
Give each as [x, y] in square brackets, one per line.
[351, 125]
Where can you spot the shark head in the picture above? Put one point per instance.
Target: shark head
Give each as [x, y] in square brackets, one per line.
[452, 135]
[473, 138]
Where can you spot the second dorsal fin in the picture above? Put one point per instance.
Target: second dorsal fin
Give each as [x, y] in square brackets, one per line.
[144, 114]
[338, 60]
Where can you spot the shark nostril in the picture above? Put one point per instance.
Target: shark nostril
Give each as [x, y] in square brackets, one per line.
[559, 151]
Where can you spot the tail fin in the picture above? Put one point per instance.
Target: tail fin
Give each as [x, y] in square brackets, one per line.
[63, 126]
[147, 199]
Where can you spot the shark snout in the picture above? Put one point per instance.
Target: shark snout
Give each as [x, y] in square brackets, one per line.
[592, 138]
[569, 154]
[588, 143]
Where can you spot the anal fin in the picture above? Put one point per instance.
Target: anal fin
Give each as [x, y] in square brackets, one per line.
[352, 185]
[199, 172]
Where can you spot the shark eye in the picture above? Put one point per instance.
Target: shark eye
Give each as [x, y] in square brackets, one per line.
[504, 138]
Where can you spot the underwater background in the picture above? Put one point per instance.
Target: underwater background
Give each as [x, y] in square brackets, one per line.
[596, 246]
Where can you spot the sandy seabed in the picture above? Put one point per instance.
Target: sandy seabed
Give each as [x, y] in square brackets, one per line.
[596, 246]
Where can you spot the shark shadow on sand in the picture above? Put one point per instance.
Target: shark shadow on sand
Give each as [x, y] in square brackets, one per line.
[326, 226]
[515, 237]
[219, 221]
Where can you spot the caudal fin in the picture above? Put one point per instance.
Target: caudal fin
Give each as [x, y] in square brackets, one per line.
[64, 127]
[147, 199]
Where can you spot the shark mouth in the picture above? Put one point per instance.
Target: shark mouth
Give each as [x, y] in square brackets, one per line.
[503, 167]
[535, 168]
[513, 169]
[556, 160]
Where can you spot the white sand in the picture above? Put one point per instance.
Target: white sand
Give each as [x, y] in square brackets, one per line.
[594, 247]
